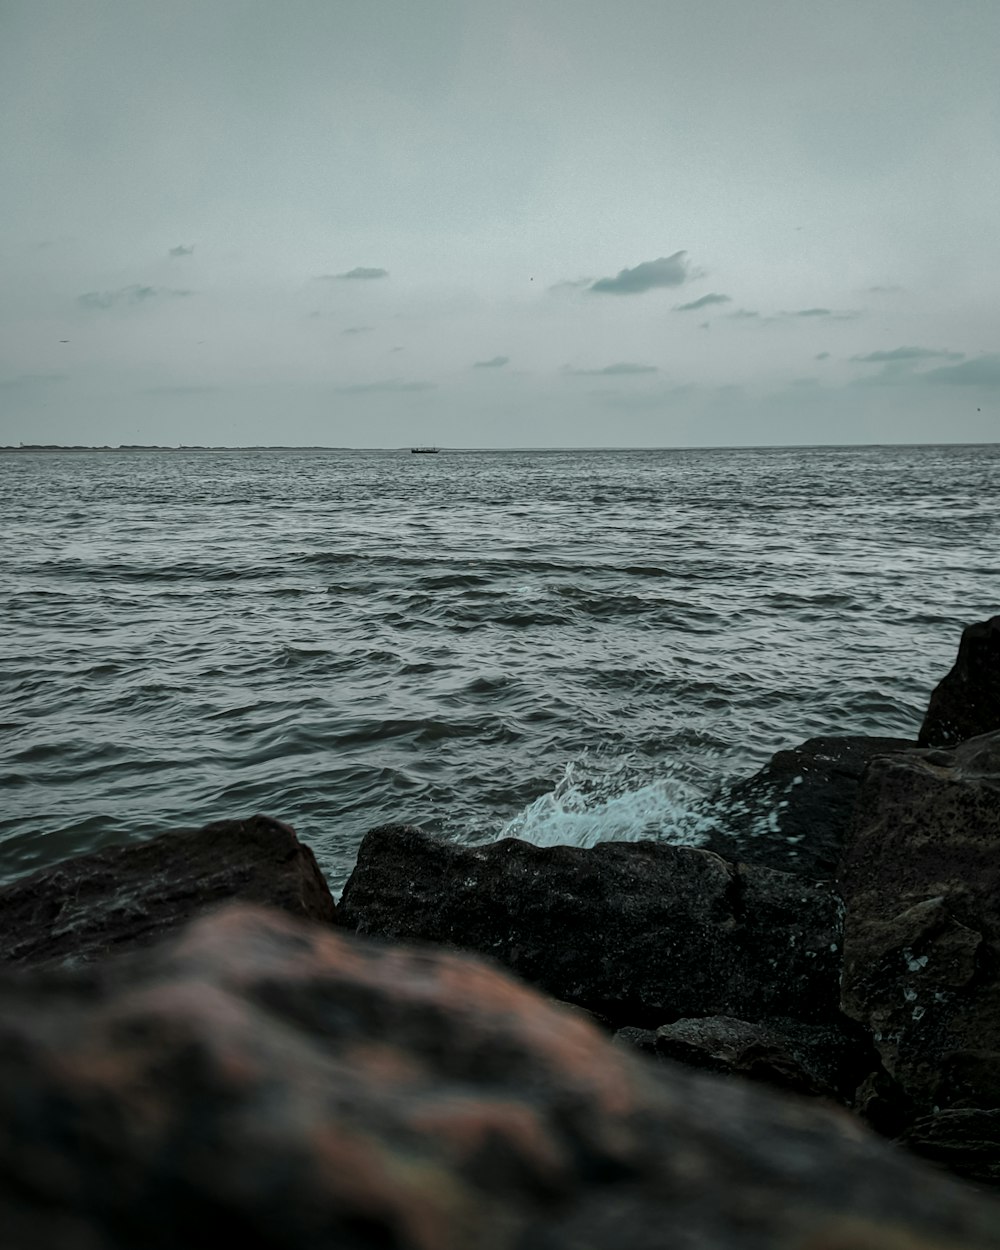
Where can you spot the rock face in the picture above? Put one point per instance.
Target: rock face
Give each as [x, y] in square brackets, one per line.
[816, 1060]
[794, 813]
[272, 1084]
[99, 904]
[921, 885]
[966, 703]
[640, 933]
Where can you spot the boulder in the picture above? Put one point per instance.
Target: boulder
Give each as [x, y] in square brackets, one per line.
[920, 879]
[641, 933]
[95, 905]
[793, 814]
[273, 1084]
[822, 1061]
[966, 702]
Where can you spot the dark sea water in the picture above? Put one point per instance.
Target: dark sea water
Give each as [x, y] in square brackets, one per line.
[563, 645]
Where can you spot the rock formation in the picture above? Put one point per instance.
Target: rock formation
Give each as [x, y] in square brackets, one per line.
[640, 933]
[966, 702]
[268, 1083]
[794, 813]
[921, 885]
[99, 904]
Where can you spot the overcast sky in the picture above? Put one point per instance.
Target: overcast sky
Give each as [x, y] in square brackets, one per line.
[545, 223]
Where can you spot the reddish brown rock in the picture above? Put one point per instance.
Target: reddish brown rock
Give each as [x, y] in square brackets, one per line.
[99, 904]
[640, 933]
[274, 1085]
[966, 702]
[921, 885]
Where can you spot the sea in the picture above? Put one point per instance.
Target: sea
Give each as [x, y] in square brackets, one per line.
[564, 646]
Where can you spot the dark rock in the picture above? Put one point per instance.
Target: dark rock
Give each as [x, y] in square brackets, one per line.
[793, 814]
[734, 1048]
[271, 1084]
[921, 885]
[98, 904]
[637, 932]
[964, 1139]
[966, 702]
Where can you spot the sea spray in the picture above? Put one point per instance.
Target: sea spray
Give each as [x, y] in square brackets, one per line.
[586, 807]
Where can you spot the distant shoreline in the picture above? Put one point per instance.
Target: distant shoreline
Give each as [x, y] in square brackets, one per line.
[34, 448]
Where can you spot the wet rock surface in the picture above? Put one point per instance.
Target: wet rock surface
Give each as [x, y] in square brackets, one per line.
[966, 702]
[640, 933]
[265, 1082]
[921, 886]
[794, 813]
[95, 905]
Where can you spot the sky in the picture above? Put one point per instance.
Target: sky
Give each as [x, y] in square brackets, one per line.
[373, 223]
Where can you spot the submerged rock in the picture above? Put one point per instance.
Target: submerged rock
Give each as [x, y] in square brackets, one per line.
[921, 885]
[793, 814]
[640, 933]
[966, 702]
[276, 1084]
[98, 904]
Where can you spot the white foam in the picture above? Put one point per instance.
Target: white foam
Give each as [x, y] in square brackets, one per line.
[584, 809]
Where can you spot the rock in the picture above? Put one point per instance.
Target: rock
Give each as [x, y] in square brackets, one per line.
[793, 814]
[275, 1084]
[921, 884]
[821, 1061]
[966, 702]
[640, 933]
[98, 904]
[964, 1139]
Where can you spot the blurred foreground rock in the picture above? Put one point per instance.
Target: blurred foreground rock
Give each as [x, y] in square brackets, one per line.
[266, 1083]
[966, 702]
[99, 904]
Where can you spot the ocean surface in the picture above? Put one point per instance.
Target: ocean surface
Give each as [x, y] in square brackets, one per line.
[565, 645]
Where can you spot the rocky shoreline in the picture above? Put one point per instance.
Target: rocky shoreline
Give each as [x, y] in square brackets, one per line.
[628, 1046]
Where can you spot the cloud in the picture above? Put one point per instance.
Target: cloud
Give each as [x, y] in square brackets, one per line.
[391, 384]
[621, 369]
[128, 295]
[497, 362]
[665, 271]
[571, 284]
[743, 314]
[358, 330]
[359, 272]
[181, 250]
[822, 356]
[711, 298]
[983, 371]
[847, 315]
[906, 353]
[884, 290]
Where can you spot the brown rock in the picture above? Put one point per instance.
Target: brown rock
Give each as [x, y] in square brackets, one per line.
[99, 904]
[640, 933]
[921, 885]
[966, 702]
[271, 1084]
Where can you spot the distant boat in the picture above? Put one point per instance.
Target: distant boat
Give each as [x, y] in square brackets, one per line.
[424, 451]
